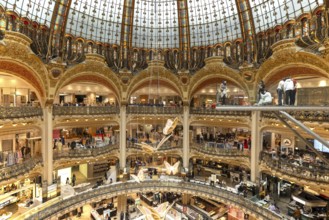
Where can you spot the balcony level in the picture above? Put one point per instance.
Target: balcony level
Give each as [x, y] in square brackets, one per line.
[18, 170]
[23, 112]
[294, 171]
[55, 210]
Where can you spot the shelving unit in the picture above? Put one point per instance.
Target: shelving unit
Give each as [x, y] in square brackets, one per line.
[97, 170]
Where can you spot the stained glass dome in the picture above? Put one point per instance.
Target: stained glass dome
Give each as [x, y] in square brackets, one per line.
[162, 23]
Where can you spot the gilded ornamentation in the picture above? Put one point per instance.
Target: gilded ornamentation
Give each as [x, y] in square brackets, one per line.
[18, 59]
[215, 70]
[155, 73]
[92, 70]
[281, 60]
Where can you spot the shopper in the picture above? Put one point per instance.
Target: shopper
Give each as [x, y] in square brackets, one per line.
[223, 90]
[280, 91]
[288, 91]
[261, 89]
[294, 91]
[265, 98]
[297, 214]
[67, 181]
[73, 180]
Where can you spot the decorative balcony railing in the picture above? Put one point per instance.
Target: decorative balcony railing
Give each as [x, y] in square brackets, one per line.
[88, 152]
[16, 170]
[154, 110]
[20, 112]
[213, 150]
[85, 110]
[213, 111]
[293, 168]
[203, 189]
[316, 116]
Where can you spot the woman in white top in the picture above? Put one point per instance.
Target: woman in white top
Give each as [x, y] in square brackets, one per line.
[265, 98]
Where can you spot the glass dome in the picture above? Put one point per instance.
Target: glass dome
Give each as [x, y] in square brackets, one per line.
[162, 23]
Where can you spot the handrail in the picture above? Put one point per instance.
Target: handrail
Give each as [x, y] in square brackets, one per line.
[85, 110]
[20, 112]
[154, 110]
[19, 168]
[316, 173]
[88, 152]
[215, 151]
[213, 111]
[117, 189]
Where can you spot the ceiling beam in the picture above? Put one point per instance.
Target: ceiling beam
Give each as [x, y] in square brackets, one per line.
[184, 30]
[248, 30]
[57, 29]
[126, 30]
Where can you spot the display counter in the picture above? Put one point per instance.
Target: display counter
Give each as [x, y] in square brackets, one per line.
[312, 207]
[147, 198]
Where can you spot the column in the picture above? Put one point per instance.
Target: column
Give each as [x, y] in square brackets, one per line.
[186, 199]
[186, 127]
[256, 146]
[47, 144]
[123, 138]
[122, 206]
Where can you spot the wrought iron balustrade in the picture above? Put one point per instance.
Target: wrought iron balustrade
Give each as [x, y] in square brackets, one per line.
[213, 111]
[213, 150]
[196, 188]
[15, 170]
[316, 116]
[20, 112]
[85, 110]
[291, 167]
[86, 152]
[154, 110]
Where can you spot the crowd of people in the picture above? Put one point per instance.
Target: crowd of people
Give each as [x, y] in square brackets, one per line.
[286, 90]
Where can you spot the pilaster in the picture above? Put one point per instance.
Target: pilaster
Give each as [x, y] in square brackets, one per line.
[186, 199]
[186, 127]
[123, 127]
[47, 145]
[255, 146]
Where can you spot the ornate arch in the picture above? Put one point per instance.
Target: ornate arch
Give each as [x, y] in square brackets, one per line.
[155, 74]
[91, 71]
[284, 61]
[214, 72]
[23, 72]
[18, 59]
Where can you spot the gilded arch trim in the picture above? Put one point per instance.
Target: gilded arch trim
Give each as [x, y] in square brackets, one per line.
[216, 71]
[156, 73]
[91, 71]
[280, 61]
[23, 72]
